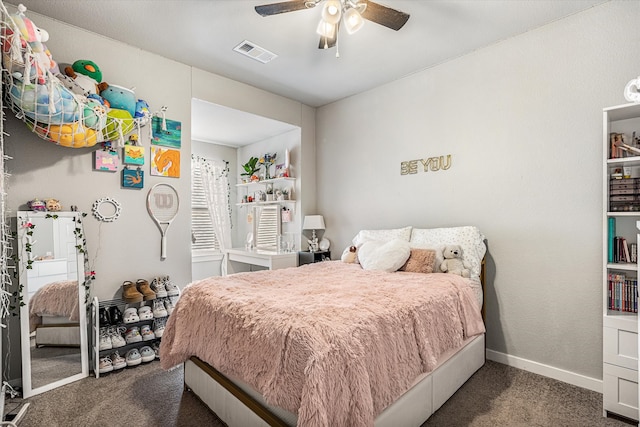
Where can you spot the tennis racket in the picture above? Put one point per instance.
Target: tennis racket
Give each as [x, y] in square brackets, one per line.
[163, 203]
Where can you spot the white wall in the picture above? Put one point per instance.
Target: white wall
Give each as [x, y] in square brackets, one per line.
[129, 248]
[522, 120]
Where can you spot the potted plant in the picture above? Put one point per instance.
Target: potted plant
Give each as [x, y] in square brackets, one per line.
[250, 169]
[285, 194]
[269, 192]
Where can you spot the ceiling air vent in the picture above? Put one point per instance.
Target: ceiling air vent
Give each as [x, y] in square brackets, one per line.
[254, 51]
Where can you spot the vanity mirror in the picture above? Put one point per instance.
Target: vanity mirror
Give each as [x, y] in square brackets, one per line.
[53, 317]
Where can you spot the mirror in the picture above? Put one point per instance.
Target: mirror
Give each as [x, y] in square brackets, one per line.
[53, 317]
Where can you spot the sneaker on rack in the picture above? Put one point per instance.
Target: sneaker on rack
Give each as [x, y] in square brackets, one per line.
[131, 315]
[105, 340]
[147, 354]
[105, 365]
[115, 315]
[147, 333]
[156, 349]
[103, 317]
[169, 306]
[118, 361]
[133, 335]
[157, 285]
[133, 357]
[145, 313]
[172, 289]
[158, 309]
[117, 340]
[158, 327]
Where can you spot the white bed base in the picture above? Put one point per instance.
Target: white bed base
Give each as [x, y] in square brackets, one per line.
[58, 331]
[239, 406]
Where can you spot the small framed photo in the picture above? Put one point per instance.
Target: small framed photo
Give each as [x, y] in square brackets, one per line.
[281, 171]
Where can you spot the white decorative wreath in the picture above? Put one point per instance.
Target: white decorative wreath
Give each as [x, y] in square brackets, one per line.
[101, 216]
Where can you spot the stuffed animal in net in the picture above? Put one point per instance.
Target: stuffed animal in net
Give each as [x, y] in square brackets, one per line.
[453, 262]
[350, 255]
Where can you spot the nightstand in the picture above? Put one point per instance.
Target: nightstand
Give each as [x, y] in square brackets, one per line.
[307, 257]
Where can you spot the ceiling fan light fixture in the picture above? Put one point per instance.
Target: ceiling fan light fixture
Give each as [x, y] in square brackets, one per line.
[332, 11]
[325, 29]
[353, 21]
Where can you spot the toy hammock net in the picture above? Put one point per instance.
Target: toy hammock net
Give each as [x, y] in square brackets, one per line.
[69, 107]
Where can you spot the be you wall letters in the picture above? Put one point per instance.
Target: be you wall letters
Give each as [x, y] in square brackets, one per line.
[411, 167]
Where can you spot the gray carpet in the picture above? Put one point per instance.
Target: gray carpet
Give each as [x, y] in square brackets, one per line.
[497, 395]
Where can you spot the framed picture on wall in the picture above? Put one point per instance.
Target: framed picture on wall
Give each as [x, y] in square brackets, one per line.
[166, 132]
[132, 178]
[133, 155]
[105, 160]
[165, 162]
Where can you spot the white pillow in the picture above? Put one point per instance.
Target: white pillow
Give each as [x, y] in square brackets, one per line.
[468, 237]
[386, 256]
[384, 235]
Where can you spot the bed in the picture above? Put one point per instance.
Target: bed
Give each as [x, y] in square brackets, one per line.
[331, 343]
[54, 315]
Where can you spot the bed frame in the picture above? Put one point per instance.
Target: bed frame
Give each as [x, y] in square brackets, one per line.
[238, 405]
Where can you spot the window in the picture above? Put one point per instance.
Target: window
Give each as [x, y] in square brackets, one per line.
[203, 235]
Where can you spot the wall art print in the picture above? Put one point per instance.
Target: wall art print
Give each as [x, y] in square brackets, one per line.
[133, 155]
[132, 178]
[165, 162]
[106, 160]
[168, 136]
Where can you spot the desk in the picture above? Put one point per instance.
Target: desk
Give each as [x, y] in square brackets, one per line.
[270, 259]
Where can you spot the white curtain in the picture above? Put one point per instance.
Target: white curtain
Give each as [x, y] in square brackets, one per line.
[215, 180]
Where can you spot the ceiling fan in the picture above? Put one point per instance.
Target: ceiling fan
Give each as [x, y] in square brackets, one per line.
[351, 13]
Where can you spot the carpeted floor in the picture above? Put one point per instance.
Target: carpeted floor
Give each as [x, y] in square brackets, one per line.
[497, 395]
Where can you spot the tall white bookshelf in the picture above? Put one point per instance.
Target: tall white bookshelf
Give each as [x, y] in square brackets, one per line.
[621, 205]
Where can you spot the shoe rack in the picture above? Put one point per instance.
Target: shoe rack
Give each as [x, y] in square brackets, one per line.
[95, 353]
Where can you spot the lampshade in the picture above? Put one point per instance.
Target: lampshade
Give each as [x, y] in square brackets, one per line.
[331, 11]
[313, 222]
[326, 29]
[353, 20]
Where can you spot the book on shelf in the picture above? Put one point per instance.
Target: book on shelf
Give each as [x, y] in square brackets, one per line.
[622, 293]
[634, 252]
[612, 234]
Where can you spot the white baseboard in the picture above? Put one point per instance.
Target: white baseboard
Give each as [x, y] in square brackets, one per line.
[546, 370]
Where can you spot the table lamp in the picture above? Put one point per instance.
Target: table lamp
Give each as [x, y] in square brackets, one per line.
[313, 222]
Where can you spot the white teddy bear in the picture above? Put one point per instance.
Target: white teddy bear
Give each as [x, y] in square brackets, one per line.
[453, 262]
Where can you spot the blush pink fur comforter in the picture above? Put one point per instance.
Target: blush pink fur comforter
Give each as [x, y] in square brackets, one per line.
[332, 342]
[54, 299]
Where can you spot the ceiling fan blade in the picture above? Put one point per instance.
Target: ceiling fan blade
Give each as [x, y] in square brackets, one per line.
[384, 15]
[281, 7]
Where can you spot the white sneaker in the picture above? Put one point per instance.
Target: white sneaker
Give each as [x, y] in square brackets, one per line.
[145, 313]
[133, 335]
[117, 340]
[105, 340]
[169, 306]
[131, 315]
[133, 357]
[172, 289]
[156, 349]
[157, 286]
[158, 328]
[118, 361]
[147, 333]
[147, 354]
[105, 365]
[158, 309]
